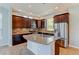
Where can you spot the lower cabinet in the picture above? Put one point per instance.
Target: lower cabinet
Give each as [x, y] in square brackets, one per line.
[58, 43]
[40, 49]
[18, 39]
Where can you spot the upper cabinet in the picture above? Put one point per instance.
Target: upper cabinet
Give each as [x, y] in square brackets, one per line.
[20, 22]
[61, 18]
[28, 23]
[43, 23]
[40, 23]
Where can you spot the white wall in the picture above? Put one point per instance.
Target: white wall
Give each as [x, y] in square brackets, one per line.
[5, 10]
[74, 27]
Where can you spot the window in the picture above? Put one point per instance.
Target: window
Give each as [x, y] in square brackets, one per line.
[50, 24]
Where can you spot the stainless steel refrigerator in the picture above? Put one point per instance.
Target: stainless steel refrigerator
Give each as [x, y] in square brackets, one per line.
[61, 32]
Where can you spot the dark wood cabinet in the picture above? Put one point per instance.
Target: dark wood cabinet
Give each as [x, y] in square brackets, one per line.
[28, 23]
[40, 23]
[58, 43]
[16, 21]
[20, 22]
[18, 39]
[43, 23]
[61, 18]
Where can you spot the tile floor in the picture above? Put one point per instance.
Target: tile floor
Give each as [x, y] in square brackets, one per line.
[20, 49]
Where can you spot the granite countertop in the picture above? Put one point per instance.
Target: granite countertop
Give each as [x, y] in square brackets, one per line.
[50, 32]
[29, 30]
[21, 31]
[39, 38]
[45, 31]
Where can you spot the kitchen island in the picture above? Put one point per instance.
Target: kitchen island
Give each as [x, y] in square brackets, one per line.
[40, 44]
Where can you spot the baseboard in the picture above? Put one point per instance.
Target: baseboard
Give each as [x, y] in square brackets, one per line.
[73, 46]
[4, 44]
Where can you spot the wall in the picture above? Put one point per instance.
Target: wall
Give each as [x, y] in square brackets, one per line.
[74, 27]
[5, 10]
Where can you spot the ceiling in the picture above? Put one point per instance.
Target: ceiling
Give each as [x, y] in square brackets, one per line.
[40, 9]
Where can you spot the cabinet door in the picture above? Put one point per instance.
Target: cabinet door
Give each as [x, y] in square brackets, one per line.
[29, 23]
[21, 22]
[24, 22]
[57, 19]
[43, 23]
[40, 23]
[17, 22]
[61, 18]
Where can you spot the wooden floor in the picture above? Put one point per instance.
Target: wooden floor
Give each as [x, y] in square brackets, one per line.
[69, 51]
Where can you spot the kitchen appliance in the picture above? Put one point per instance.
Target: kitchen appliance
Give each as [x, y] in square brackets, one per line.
[61, 32]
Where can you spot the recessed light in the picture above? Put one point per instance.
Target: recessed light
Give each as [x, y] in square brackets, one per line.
[30, 6]
[19, 10]
[56, 7]
[31, 13]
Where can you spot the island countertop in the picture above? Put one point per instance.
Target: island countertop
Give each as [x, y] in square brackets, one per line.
[39, 38]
